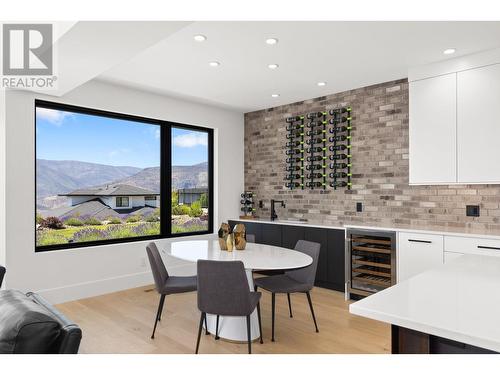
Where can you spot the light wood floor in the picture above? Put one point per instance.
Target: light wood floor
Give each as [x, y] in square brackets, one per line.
[122, 323]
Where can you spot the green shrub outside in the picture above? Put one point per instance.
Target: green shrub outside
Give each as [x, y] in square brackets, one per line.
[74, 222]
[114, 220]
[92, 221]
[134, 219]
[196, 210]
[181, 210]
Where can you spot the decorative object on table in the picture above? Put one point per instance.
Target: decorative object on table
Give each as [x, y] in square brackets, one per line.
[224, 232]
[230, 242]
[239, 237]
[247, 201]
[319, 152]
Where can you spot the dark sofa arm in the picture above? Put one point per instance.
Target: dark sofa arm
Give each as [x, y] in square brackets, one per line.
[71, 335]
[2, 274]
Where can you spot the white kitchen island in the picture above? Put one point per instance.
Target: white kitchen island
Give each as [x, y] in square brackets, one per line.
[454, 308]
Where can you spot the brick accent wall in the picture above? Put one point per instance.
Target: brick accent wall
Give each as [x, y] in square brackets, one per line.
[380, 169]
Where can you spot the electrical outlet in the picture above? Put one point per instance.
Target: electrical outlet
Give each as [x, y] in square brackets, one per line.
[359, 207]
[472, 210]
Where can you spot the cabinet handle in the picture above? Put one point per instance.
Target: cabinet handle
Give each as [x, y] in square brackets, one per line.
[421, 241]
[488, 247]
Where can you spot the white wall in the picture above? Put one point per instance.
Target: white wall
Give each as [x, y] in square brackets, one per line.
[71, 274]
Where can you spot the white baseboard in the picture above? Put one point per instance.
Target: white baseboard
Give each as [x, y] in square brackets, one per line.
[98, 287]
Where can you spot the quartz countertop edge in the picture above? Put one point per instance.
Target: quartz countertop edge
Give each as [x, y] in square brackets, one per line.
[456, 301]
[436, 231]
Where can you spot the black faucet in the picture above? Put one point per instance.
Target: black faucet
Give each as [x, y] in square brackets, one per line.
[273, 211]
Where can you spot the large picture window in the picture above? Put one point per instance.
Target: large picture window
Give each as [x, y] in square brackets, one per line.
[104, 177]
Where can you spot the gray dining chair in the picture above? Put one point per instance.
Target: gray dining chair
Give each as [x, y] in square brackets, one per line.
[296, 281]
[223, 291]
[166, 284]
[250, 237]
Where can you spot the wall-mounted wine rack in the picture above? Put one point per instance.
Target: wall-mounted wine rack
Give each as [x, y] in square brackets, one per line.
[318, 150]
[247, 205]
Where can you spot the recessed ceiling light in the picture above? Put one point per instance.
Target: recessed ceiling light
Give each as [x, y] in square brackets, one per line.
[214, 63]
[200, 38]
[275, 95]
[449, 51]
[321, 83]
[273, 66]
[271, 41]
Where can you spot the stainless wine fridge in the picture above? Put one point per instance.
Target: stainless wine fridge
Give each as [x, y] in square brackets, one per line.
[370, 262]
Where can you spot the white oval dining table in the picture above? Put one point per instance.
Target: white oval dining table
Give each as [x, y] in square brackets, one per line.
[254, 257]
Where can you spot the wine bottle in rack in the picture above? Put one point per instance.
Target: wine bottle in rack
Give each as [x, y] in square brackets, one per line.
[313, 167]
[315, 175]
[294, 127]
[246, 201]
[339, 129]
[295, 151]
[293, 143]
[315, 140]
[293, 184]
[336, 184]
[316, 158]
[294, 160]
[293, 176]
[338, 175]
[335, 111]
[314, 124]
[294, 135]
[316, 115]
[292, 168]
[339, 120]
[315, 184]
[294, 118]
[337, 147]
[338, 165]
[315, 149]
[247, 194]
[339, 156]
[315, 132]
[338, 138]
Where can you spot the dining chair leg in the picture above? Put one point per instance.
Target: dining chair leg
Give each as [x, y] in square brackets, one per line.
[273, 305]
[312, 310]
[206, 326]
[289, 305]
[249, 337]
[255, 288]
[162, 299]
[260, 323]
[217, 328]
[202, 317]
[162, 303]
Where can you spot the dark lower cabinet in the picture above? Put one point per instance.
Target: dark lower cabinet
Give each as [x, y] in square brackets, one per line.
[320, 236]
[408, 341]
[331, 264]
[290, 234]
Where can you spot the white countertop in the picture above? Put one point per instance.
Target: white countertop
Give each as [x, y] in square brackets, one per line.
[254, 257]
[449, 231]
[459, 301]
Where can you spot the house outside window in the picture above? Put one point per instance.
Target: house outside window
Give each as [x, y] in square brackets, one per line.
[122, 202]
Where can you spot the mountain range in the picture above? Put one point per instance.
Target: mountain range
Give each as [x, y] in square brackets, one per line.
[55, 177]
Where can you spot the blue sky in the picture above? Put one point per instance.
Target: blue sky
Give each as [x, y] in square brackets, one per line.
[73, 136]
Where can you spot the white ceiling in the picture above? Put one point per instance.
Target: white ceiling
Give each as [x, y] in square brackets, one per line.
[346, 55]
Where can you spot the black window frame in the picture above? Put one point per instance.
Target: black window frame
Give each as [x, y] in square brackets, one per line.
[165, 127]
[121, 200]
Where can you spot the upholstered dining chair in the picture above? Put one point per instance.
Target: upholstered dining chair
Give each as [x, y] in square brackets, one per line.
[164, 283]
[295, 281]
[223, 291]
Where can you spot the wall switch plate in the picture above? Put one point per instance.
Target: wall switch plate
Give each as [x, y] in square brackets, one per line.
[359, 207]
[471, 210]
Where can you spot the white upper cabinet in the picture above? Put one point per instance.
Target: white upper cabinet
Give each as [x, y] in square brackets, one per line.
[432, 121]
[478, 125]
